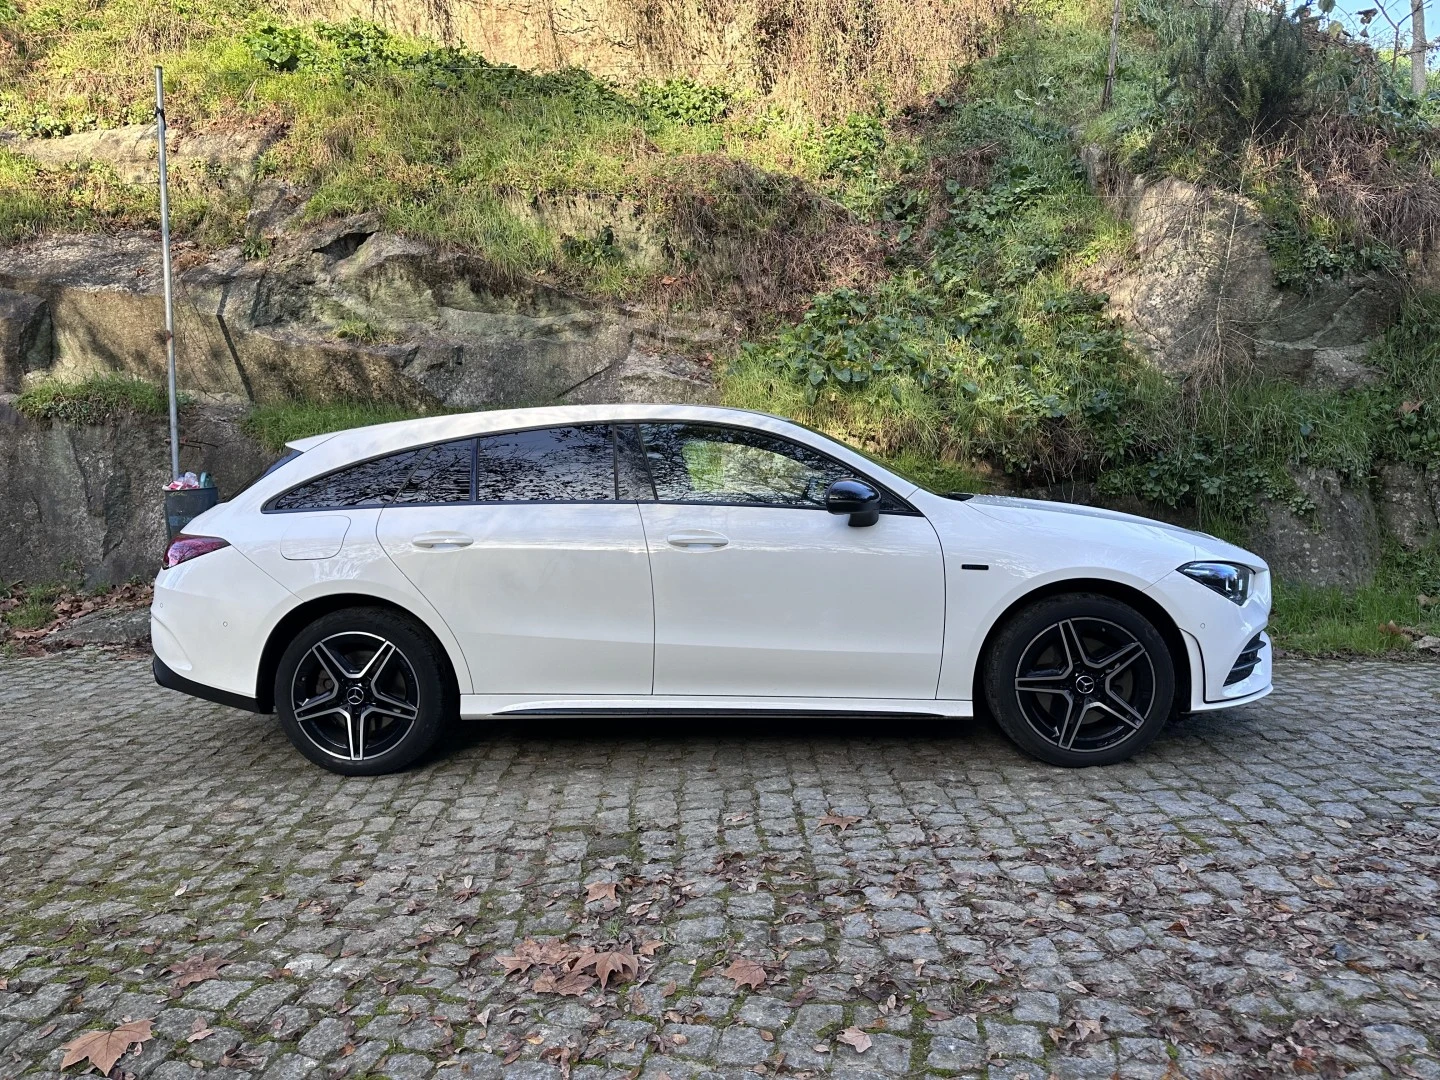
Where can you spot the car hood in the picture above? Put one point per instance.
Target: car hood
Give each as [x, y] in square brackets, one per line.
[1029, 512]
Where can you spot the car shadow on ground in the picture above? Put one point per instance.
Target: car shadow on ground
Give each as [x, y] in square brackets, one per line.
[685, 728]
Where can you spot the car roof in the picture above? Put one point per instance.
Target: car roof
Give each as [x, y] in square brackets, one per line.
[325, 453]
[379, 438]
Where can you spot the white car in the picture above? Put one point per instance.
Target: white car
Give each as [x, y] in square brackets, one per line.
[377, 583]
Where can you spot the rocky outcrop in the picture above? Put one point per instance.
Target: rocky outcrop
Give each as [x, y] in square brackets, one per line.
[1201, 291]
[132, 151]
[1334, 541]
[1409, 504]
[88, 499]
[339, 311]
[26, 338]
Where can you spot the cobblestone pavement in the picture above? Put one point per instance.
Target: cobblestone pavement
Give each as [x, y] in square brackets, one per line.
[1257, 895]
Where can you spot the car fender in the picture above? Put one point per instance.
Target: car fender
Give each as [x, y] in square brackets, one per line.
[992, 565]
[361, 570]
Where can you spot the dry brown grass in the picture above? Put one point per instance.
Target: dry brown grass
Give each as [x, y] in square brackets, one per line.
[1355, 177]
[822, 57]
[760, 241]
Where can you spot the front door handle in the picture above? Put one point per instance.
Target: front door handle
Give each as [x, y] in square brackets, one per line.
[697, 540]
[442, 541]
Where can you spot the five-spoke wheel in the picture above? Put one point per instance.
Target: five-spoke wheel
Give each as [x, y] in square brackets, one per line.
[1080, 680]
[363, 691]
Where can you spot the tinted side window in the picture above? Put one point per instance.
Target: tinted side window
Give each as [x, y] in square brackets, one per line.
[371, 483]
[563, 464]
[700, 463]
[709, 464]
[442, 475]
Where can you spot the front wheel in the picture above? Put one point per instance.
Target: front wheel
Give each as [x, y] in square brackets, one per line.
[1081, 679]
[364, 691]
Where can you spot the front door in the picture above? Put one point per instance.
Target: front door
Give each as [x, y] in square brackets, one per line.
[760, 592]
[537, 568]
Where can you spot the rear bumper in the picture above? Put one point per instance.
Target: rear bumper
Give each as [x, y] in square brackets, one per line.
[171, 681]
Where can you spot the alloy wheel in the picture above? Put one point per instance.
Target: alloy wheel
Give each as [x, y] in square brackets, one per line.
[1085, 684]
[355, 695]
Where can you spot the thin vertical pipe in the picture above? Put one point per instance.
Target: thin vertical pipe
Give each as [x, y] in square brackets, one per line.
[169, 281]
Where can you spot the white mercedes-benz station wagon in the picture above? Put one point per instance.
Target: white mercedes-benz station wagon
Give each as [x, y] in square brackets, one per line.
[376, 584]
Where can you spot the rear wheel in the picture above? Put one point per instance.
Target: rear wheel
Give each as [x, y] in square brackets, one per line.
[364, 691]
[1082, 679]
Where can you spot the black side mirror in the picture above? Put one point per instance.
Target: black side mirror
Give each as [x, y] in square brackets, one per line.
[856, 498]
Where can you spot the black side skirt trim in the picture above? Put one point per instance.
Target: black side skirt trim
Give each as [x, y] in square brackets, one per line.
[171, 681]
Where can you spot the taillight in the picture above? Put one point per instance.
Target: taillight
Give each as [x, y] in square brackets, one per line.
[184, 548]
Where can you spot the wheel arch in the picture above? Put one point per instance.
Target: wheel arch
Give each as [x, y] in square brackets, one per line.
[1116, 590]
[302, 615]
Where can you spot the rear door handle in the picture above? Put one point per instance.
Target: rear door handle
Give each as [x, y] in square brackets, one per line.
[697, 540]
[442, 541]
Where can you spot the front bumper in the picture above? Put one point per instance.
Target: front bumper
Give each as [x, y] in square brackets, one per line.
[171, 681]
[1217, 632]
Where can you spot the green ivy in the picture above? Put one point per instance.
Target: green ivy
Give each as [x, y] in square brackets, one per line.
[685, 101]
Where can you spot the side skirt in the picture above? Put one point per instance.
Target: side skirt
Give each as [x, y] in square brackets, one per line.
[475, 706]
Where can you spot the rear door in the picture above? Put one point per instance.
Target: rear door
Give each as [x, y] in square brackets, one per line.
[761, 592]
[521, 544]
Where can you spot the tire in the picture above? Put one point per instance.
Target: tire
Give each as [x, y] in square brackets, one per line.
[1102, 706]
[347, 714]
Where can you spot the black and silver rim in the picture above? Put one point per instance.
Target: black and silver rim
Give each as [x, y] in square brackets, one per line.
[355, 696]
[1085, 685]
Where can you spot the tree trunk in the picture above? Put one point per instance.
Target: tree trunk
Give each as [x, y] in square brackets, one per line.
[1115, 55]
[1419, 83]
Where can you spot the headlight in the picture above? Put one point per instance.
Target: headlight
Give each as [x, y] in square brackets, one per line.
[1227, 579]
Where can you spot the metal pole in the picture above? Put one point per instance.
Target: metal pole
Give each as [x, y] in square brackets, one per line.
[169, 283]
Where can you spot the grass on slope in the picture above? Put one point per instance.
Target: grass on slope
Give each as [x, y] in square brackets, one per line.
[518, 166]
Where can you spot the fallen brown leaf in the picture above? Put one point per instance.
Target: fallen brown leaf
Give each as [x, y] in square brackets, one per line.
[199, 1031]
[572, 984]
[103, 1048]
[853, 1036]
[840, 821]
[600, 890]
[196, 969]
[621, 962]
[745, 972]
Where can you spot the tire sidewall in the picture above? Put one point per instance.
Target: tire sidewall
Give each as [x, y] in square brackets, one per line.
[437, 699]
[1015, 636]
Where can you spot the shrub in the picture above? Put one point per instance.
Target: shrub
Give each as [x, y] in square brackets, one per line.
[685, 101]
[1235, 72]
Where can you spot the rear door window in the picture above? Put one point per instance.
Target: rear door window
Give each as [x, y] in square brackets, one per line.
[560, 464]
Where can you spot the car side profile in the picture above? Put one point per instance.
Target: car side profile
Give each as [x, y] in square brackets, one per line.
[379, 583]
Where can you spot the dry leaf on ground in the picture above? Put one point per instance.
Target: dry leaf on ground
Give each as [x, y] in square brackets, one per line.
[619, 962]
[572, 984]
[854, 1037]
[840, 821]
[103, 1048]
[600, 890]
[196, 969]
[746, 972]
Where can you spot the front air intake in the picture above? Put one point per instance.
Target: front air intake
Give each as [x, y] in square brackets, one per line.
[1245, 663]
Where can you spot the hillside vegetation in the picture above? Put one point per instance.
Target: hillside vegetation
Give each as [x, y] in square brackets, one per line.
[922, 268]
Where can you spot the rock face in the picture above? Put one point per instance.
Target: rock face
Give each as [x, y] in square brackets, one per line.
[341, 311]
[132, 151]
[1409, 504]
[1202, 291]
[26, 337]
[1337, 543]
[89, 498]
